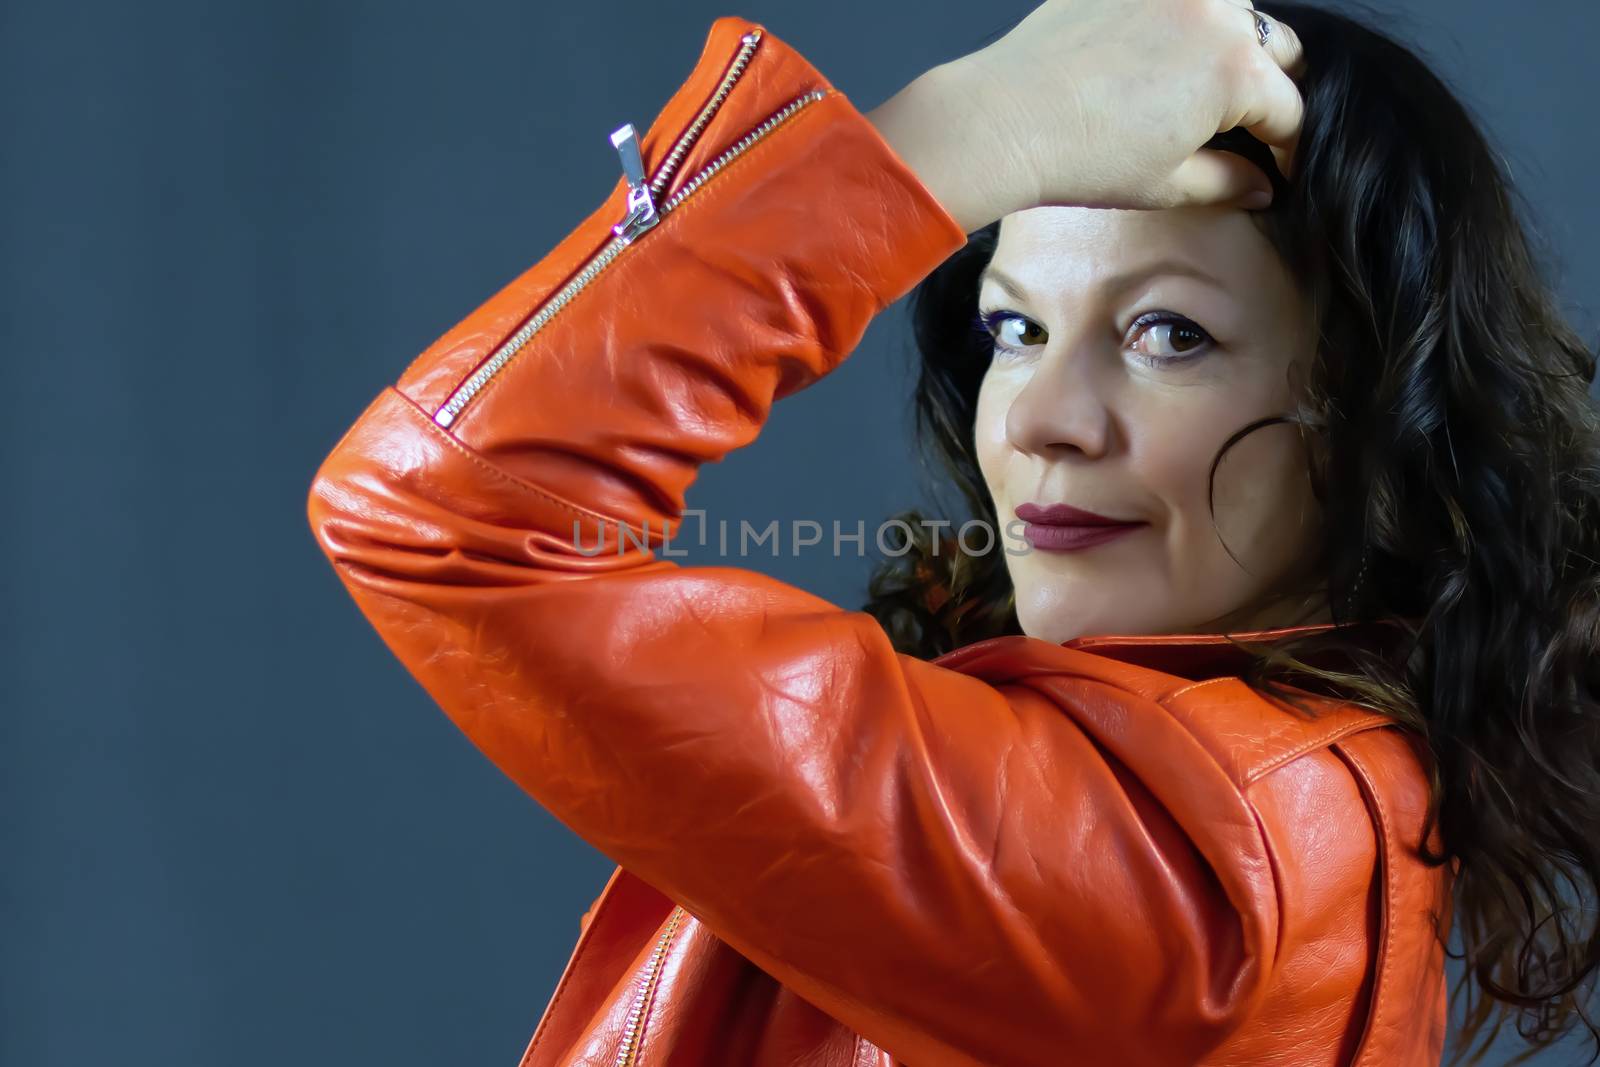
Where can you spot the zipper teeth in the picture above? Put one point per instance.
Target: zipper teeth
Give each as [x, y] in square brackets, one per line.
[464, 393]
[641, 1003]
[602, 259]
[736, 68]
[469, 388]
[776, 119]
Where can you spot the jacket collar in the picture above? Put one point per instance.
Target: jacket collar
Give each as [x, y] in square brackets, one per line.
[1100, 641]
[1195, 656]
[1206, 655]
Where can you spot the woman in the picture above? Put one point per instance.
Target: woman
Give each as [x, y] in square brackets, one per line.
[1060, 799]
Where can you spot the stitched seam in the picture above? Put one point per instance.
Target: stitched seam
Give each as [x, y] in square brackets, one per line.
[565, 984]
[1192, 686]
[1254, 774]
[1319, 741]
[1385, 832]
[504, 475]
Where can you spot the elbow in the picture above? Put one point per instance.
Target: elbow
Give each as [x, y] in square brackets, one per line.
[321, 514]
[361, 514]
[335, 499]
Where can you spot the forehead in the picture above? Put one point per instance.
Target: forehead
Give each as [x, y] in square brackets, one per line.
[1082, 250]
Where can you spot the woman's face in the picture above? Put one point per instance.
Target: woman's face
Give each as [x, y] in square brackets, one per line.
[1129, 346]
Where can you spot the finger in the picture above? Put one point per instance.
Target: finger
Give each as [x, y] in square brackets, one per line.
[1274, 113]
[1216, 176]
[1283, 44]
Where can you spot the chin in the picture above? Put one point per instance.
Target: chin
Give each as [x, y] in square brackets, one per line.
[1117, 600]
[1060, 626]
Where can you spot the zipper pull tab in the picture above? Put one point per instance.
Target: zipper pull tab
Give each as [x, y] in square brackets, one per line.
[641, 214]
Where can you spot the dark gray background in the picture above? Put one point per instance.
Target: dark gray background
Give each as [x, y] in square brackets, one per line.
[235, 829]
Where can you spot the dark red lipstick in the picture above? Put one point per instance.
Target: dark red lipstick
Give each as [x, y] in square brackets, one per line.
[1064, 528]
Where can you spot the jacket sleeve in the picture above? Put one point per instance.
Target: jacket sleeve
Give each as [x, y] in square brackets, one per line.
[963, 873]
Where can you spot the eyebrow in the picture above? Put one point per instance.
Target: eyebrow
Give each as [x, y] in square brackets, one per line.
[1118, 281]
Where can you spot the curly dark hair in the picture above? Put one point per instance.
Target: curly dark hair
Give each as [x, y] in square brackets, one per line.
[1455, 447]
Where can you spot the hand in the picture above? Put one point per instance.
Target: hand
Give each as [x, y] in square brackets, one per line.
[1101, 103]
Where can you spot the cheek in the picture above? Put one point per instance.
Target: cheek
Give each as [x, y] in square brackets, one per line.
[989, 431]
[1172, 442]
[1262, 504]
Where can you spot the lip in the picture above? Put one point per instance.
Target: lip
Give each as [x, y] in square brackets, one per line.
[1072, 538]
[1067, 515]
[1064, 528]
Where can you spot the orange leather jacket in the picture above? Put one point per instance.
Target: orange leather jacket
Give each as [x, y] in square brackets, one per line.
[1025, 854]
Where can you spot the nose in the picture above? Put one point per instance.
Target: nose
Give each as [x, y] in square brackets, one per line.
[1061, 406]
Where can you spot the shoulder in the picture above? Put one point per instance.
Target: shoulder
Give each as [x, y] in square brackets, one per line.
[1252, 736]
[1338, 800]
[1248, 733]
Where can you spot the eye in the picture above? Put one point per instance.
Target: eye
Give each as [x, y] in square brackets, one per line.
[1170, 338]
[1010, 333]
[1167, 338]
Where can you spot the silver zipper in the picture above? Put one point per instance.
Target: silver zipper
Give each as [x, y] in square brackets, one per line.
[643, 213]
[629, 1049]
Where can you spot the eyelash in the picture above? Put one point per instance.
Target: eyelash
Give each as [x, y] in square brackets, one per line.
[985, 322]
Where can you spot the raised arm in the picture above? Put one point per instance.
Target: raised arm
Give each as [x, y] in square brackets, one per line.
[1058, 865]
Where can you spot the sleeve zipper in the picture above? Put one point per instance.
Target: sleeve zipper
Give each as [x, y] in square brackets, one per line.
[643, 213]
